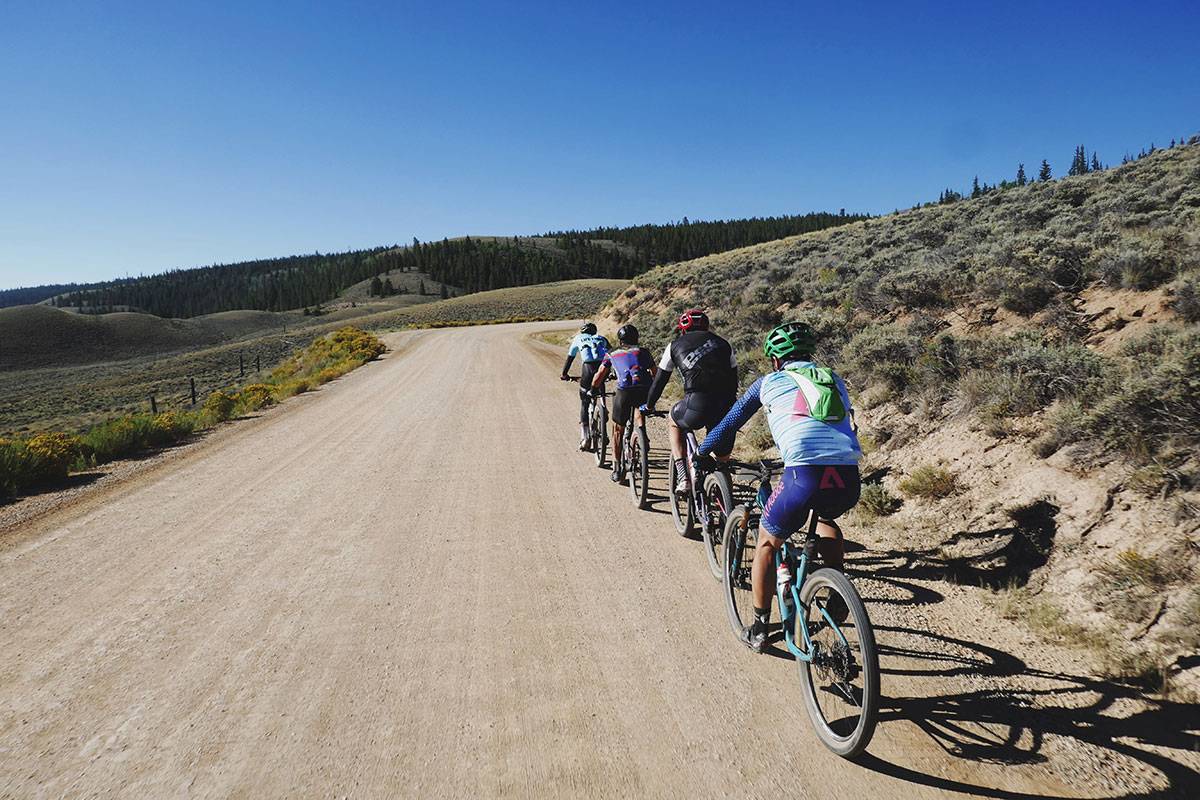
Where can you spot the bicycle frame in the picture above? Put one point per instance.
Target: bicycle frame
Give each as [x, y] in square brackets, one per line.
[800, 564]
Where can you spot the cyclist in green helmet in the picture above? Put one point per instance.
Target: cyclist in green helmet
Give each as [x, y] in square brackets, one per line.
[811, 420]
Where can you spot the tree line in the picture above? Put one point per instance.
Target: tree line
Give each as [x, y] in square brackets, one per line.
[469, 264]
[1081, 164]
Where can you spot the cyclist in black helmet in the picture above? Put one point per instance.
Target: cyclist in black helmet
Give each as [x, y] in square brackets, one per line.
[634, 369]
[590, 347]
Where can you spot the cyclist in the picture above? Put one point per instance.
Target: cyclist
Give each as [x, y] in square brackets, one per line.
[709, 370]
[811, 421]
[590, 347]
[634, 369]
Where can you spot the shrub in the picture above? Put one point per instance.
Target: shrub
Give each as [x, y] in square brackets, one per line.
[118, 438]
[1186, 302]
[170, 427]
[255, 396]
[1065, 425]
[49, 456]
[930, 482]
[883, 353]
[876, 501]
[219, 406]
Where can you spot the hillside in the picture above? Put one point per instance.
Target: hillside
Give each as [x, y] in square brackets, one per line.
[471, 264]
[49, 396]
[1027, 371]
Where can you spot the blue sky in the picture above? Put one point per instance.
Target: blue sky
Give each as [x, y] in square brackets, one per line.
[141, 137]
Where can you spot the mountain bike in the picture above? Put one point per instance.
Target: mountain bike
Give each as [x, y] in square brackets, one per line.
[635, 456]
[825, 625]
[706, 499]
[598, 425]
[597, 416]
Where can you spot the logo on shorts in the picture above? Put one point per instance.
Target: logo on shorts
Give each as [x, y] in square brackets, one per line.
[831, 479]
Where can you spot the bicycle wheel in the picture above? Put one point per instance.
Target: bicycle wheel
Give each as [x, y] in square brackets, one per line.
[682, 512]
[740, 539]
[601, 434]
[718, 496]
[841, 683]
[638, 459]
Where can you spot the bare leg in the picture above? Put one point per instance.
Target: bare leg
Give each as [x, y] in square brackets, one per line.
[762, 568]
[831, 545]
[678, 446]
[618, 443]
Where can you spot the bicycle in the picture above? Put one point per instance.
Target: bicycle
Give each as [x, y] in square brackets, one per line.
[597, 436]
[635, 456]
[837, 659]
[709, 504]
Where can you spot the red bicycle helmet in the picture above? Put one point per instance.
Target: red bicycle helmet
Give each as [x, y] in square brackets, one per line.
[694, 319]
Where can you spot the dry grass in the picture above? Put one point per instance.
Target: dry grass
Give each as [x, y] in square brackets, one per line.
[930, 482]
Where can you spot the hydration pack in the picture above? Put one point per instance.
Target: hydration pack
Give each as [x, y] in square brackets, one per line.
[818, 388]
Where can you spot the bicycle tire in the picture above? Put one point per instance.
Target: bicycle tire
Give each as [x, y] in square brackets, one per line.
[682, 513]
[740, 541]
[638, 459]
[601, 435]
[718, 495]
[855, 740]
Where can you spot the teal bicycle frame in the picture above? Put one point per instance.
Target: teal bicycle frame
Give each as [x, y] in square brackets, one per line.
[789, 594]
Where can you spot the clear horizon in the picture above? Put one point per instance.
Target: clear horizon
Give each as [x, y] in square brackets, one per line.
[152, 139]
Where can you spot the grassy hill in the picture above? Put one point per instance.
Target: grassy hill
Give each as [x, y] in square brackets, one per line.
[59, 395]
[1027, 367]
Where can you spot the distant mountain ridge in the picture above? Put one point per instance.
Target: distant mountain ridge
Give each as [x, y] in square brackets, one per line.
[472, 264]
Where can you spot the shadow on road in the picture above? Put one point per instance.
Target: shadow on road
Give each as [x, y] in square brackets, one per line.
[1011, 722]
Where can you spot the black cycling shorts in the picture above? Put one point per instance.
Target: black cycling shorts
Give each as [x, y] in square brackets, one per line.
[701, 410]
[625, 401]
[587, 371]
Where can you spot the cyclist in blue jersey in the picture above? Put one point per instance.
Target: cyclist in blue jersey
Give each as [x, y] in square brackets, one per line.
[634, 368]
[808, 411]
[590, 347]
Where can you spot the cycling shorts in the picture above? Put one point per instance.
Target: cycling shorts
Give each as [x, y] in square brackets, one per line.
[830, 490]
[702, 410]
[625, 401]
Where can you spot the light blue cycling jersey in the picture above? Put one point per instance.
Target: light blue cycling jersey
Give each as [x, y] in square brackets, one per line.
[588, 346]
[800, 438]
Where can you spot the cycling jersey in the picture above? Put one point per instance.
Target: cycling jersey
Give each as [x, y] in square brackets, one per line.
[588, 346]
[705, 360]
[632, 366]
[801, 439]
[707, 364]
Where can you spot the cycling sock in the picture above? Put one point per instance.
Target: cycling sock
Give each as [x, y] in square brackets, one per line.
[762, 617]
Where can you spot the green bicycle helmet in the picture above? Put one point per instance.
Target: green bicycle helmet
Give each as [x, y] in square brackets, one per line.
[790, 338]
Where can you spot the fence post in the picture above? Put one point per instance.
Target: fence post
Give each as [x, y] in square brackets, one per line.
[241, 366]
[193, 382]
[257, 363]
[153, 405]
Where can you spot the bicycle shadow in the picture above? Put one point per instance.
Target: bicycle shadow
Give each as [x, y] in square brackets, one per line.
[1013, 727]
[1014, 722]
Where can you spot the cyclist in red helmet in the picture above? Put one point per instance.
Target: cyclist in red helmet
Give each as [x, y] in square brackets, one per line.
[709, 369]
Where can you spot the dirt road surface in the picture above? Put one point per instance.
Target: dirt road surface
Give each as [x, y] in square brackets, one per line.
[410, 584]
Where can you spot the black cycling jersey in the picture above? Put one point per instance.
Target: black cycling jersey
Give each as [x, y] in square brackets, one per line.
[705, 361]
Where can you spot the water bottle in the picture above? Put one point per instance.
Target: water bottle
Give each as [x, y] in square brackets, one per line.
[783, 583]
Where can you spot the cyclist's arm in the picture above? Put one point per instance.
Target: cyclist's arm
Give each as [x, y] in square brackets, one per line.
[602, 373]
[567, 366]
[721, 437]
[660, 378]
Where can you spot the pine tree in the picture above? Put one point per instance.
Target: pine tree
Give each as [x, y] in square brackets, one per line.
[388, 288]
[376, 289]
[445, 292]
[1095, 162]
[975, 191]
[1044, 173]
[421, 288]
[1020, 174]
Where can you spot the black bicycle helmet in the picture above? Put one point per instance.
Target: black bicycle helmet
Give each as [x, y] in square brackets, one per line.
[627, 334]
[588, 328]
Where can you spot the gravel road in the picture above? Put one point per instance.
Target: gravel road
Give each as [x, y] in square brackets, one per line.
[410, 584]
